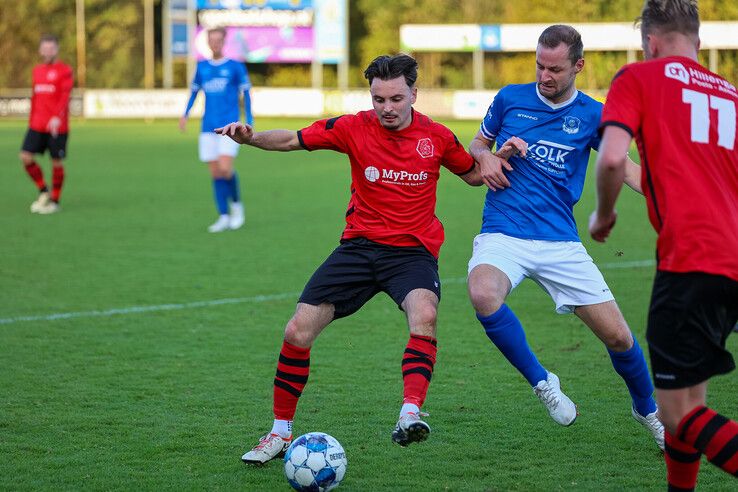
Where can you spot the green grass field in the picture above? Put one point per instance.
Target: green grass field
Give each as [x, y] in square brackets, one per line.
[137, 351]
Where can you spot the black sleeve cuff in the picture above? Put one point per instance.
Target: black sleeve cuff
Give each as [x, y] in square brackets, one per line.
[302, 142]
[615, 123]
[468, 170]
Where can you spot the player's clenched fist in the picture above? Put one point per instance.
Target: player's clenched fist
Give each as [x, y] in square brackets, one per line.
[237, 131]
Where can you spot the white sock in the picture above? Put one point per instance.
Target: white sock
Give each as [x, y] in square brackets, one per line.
[283, 428]
[409, 408]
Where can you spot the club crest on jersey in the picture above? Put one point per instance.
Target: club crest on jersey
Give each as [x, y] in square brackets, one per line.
[571, 124]
[51, 75]
[425, 148]
[676, 70]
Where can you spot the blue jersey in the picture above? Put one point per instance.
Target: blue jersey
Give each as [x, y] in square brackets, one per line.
[222, 81]
[545, 185]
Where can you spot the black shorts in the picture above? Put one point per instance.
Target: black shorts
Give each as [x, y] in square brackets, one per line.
[690, 318]
[358, 269]
[37, 143]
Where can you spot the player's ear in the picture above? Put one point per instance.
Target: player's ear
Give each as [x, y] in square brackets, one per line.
[414, 94]
[579, 65]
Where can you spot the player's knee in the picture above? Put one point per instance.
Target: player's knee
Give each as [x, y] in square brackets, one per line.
[485, 300]
[619, 341]
[297, 333]
[26, 158]
[425, 315]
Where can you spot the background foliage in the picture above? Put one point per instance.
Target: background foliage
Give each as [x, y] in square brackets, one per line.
[114, 33]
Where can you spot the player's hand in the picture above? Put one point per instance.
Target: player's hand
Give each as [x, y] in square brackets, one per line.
[183, 123]
[237, 131]
[600, 227]
[53, 126]
[491, 168]
[513, 146]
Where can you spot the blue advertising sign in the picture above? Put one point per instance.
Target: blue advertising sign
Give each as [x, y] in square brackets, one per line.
[179, 39]
[491, 38]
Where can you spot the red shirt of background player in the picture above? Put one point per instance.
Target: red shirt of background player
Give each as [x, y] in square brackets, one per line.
[52, 86]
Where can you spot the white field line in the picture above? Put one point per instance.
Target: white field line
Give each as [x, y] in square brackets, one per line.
[236, 300]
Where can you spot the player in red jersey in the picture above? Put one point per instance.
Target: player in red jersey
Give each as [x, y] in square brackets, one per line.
[391, 240]
[683, 118]
[48, 127]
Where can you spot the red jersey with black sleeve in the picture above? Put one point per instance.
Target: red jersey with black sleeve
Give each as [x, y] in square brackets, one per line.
[683, 118]
[52, 86]
[393, 175]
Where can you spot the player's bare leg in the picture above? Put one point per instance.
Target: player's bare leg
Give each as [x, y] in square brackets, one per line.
[421, 308]
[293, 369]
[488, 288]
[37, 175]
[607, 323]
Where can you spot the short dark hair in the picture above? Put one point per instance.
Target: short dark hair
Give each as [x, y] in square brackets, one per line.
[553, 36]
[387, 67]
[666, 16]
[219, 29]
[51, 38]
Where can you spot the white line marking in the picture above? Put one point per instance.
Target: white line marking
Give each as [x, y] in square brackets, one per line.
[236, 300]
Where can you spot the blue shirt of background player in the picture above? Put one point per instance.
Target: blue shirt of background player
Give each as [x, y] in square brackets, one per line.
[545, 185]
[222, 81]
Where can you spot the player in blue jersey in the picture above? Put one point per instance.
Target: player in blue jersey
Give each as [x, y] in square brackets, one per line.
[223, 81]
[528, 228]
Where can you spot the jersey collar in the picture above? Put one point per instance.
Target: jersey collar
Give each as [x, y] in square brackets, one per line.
[219, 61]
[560, 105]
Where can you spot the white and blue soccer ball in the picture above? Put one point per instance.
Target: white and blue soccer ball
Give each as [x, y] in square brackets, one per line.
[315, 462]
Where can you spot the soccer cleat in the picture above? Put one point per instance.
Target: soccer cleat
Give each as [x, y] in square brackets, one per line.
[220, 225]
[49, 207]
[653, 424]
[270, 446]
[410, 429]
[236, 218]
[559, 406]
[40, 202]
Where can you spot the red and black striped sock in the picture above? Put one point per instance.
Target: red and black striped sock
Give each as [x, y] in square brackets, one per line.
[713, 435]
[57, 180]
[682, 464]
[37, 175]
[417, 368]
[293, 369]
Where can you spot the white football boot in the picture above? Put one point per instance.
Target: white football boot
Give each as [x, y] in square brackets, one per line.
[49, 207]
[559, 406]
[270, 446]
[236, 218]
[410, 428]
[40, 202]
[653, 424]
[220, 225]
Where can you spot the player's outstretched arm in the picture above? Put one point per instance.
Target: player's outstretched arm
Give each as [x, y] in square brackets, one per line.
[281, 140]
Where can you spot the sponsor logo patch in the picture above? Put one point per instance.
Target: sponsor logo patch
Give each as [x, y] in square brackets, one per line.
[676, 70]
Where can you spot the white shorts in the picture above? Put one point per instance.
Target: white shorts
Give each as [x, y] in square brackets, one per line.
[562, 268]
[213, 145]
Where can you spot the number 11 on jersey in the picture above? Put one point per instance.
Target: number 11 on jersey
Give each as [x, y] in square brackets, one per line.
[701, 104]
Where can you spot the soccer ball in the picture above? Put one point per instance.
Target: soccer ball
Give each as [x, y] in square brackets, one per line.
[315, 462]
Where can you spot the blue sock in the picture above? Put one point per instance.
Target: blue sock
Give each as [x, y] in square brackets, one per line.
[506, 332]
[221, 190]
[234, 187]
[631, 365]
